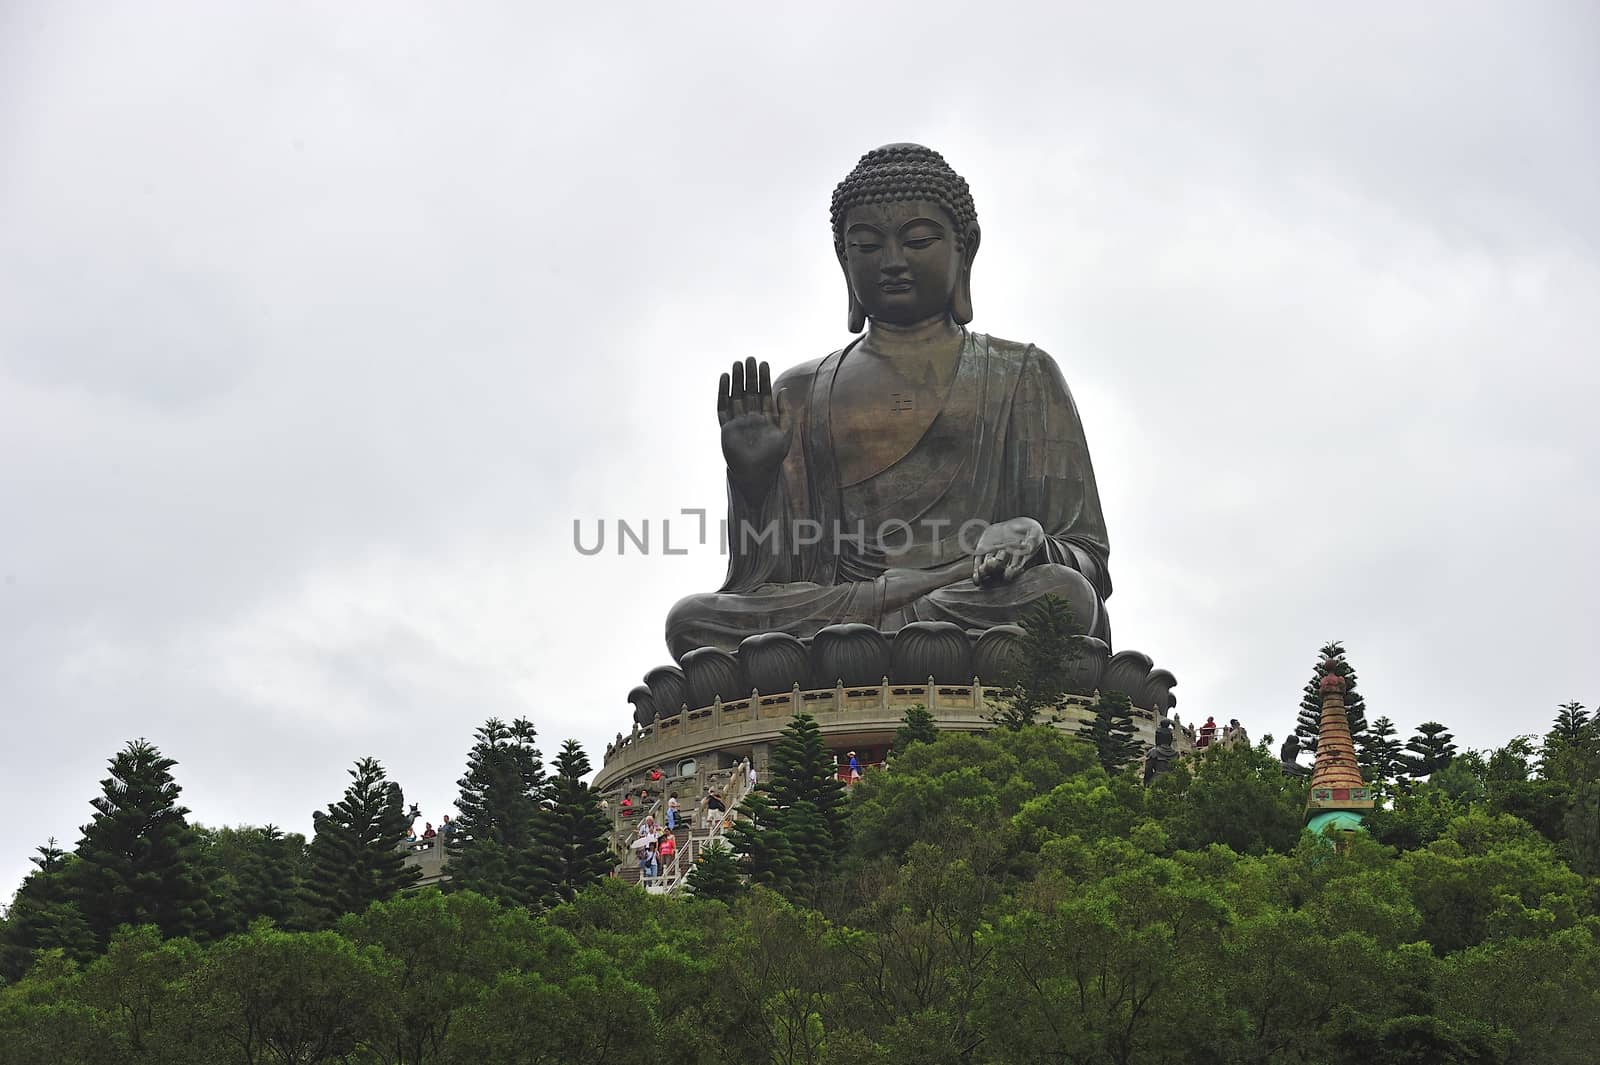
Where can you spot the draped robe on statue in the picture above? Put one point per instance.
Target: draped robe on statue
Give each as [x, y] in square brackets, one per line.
[1006, 443]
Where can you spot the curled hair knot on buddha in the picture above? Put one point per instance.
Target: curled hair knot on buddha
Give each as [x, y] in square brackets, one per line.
[901, 173]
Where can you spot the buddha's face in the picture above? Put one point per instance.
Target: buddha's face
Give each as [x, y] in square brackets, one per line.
[901, 260]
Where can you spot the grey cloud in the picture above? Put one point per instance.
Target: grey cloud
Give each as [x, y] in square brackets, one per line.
[318, 327]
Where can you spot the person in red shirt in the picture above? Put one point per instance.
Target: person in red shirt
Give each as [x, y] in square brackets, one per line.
[1207, 732]
[667, 848]
[627, 806]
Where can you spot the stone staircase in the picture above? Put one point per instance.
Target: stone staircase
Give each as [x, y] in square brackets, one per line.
[690, 843]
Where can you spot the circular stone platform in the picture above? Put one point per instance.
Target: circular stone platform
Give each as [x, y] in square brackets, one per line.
[858, 682]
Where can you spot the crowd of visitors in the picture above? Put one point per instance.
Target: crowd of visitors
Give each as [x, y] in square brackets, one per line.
[429, 836]
[1230, 735]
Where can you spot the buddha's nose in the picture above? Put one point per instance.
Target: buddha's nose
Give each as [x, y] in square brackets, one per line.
[894, 264]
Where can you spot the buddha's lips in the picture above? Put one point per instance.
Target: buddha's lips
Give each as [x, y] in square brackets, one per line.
[895, 286]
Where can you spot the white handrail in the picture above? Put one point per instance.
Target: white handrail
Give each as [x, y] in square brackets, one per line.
[676, 874]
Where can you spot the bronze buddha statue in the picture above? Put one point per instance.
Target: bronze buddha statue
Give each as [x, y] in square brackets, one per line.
[921, 472]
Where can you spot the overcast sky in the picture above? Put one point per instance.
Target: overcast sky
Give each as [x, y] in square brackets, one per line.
[320, 324]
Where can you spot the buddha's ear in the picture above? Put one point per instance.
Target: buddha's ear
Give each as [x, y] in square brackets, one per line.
[858, 313]
[961, 299]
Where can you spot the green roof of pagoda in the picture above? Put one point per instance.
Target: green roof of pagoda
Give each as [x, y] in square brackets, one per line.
[1336, 821]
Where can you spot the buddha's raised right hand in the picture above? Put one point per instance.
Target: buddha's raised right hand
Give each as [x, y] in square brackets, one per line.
[755, 429]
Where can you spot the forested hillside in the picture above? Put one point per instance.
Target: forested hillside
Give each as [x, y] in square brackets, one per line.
[985, 899]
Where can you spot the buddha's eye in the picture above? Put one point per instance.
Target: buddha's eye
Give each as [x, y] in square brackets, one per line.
[865, 247]
[921, 242]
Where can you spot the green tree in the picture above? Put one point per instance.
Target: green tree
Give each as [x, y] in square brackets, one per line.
[577, 830]
[1355, 707]
[43, 916]
[796, 815]
[137, 861]
[715, 874]
[1239, 797]
[1571, 750]
[303, 997]
[357, 854]
[1572, 722]
[1431, 749]
[1111, 731]
[1380, 753]
[136, 984]
[1581, 823]
[253, 873]
[500, 845]
[916, 726]
[447, 951]
[1047, 653]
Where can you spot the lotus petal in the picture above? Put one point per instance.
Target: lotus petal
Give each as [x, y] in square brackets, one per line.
[1126, 673]
[670, 688]
[713, 673]
[938, 649]
[997, 655]
[1157, 694]
[773, 662]
[1086, 665]
[853, 654]
[644, 705]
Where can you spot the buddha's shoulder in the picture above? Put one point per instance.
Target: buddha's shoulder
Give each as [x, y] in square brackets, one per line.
[1017, 352]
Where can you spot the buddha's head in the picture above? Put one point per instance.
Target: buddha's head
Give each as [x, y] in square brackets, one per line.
[906, 232]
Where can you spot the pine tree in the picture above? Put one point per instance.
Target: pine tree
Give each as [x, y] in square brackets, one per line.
[1047, 651]
[1572, 722]
[357, 855]
[253, 873]
[500, 846]
[43, 916]
[796, 818]
[1431, 749]
[764, 850]
[1355, 707]
[137, 861]
[916, 726]
[716, 874]
[577, 827]
[1111, 731]
[1380, 753]
[1570, 754]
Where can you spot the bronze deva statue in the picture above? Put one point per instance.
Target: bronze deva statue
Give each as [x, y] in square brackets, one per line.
[921, 472]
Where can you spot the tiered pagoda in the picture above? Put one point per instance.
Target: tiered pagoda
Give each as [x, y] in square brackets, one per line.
[1339, 796]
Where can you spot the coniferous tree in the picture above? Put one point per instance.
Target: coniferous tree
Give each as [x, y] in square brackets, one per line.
[1111, 731]
[716, 874]
[356, 857]
[1572, 722]
[577, 827]
[916, 726]
[500, 846]
[138, 861]
[1431, 749]
[254, 873]
[1570, 755]
[796, 817]
[1355, 707]
[43, 916]
[1047, 652]
[1380, 753]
